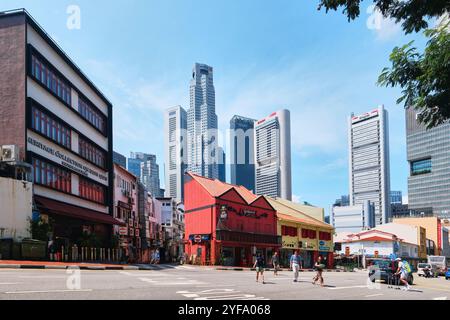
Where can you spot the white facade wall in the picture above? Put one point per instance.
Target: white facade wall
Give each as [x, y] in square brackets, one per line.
[273, 176]
[16, 202]
[405, 232]
[369, 176]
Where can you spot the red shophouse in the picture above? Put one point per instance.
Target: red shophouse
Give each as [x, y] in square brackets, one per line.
[227, 224]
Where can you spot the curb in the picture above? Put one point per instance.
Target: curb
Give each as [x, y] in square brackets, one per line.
[9, 266]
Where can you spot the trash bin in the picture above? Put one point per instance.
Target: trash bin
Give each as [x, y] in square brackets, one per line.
[33, 249]
[6, 249]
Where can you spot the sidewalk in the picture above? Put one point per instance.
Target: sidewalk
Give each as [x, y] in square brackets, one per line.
[15, 264]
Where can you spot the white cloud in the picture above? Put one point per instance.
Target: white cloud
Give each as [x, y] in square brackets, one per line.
[384, 28]
[296, 198]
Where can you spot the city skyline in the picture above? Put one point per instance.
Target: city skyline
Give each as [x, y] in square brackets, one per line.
[294, 82]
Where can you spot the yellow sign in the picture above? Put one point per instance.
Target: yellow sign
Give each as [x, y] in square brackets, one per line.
[289, 242]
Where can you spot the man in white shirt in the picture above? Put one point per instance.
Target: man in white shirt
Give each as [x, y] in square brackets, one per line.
[401, 270]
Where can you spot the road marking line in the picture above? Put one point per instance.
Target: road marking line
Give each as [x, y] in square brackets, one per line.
[374, 295]
[47, 291]
[8, 283]
[440, 298]
[351, 287]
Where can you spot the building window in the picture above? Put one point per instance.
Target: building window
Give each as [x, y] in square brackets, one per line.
[91, 191]
[421, 166]
[50, 128]
[326, 236]
[288, 231]
[43, 73]
[91, 153]
[93, 116]
[308, 233]
[51, 176]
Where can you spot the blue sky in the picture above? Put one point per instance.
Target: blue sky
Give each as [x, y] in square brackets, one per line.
[266, 55]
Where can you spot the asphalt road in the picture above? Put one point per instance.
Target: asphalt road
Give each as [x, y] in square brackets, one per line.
[201, 283]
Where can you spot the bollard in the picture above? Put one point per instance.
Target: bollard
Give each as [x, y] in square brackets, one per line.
[109, 254]
[82, 254]
[62, 253]
[92, 253]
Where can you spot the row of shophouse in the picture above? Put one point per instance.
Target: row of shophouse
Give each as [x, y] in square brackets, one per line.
[410, 238]
[228, 225]
[149, 222]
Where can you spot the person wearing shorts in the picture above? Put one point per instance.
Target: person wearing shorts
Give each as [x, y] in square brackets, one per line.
[401, 270]
[259, 265]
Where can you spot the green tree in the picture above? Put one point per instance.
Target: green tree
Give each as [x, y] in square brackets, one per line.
[39, 229]
[424, 77]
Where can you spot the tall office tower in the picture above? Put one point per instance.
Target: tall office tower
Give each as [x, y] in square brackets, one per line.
[120, 159]
[368, 138]
[222, 165]
[428, 154]
[273, 155]
[134, 162]
[175, 125]
[150, 175]
[242, 152]
[203, 156]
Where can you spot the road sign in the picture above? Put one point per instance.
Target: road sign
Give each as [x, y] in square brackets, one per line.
[123, 231]
[347, 251]
[197, 238]
[376, 254]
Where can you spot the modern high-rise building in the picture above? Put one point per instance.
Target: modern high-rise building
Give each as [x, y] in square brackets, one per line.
[368, 139]
[273, 155]
[150, 175]
[57, 122]
[353, 218]
[242, 152]
[134, 162]
[396, 197]
[175, 126]
[119, 159]
[222, 165]
[428, 154]
[202, 153]
[343, 201]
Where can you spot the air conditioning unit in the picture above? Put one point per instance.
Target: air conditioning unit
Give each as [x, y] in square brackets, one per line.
[10, 153]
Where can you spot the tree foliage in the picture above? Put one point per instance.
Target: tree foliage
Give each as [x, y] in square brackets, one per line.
[412, 13]
[424, 78]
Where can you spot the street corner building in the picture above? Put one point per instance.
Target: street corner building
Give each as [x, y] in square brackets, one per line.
[302, 229]
[61, 125]
[227, 224]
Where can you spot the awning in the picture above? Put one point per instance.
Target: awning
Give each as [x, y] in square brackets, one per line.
[60, 208]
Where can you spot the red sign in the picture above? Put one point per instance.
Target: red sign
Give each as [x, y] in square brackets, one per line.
[376, 254]
[198, 238]
[439, 234]
[123, 231]
[347, 251]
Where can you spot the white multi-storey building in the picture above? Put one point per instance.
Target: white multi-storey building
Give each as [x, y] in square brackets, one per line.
[203, 156]
[175, 124]
[369, 178]
[273, 155]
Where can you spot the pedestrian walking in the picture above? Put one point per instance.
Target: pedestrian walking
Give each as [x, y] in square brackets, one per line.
[403, 271]
[295, 265]
[157, 256]
[275, 263]
[259, 265]
[319, 266]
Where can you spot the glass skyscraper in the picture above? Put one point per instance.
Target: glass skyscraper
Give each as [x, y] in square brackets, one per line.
[242, 145]
[202, 153]
[428, 153]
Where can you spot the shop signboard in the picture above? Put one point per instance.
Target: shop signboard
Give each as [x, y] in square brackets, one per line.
[289, 242]
[123, 231]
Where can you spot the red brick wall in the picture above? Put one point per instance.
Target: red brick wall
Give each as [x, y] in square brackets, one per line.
[12, 81]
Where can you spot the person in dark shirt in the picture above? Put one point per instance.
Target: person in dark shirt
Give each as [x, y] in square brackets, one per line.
[319, 266]
[259, 265]
[275, 263]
